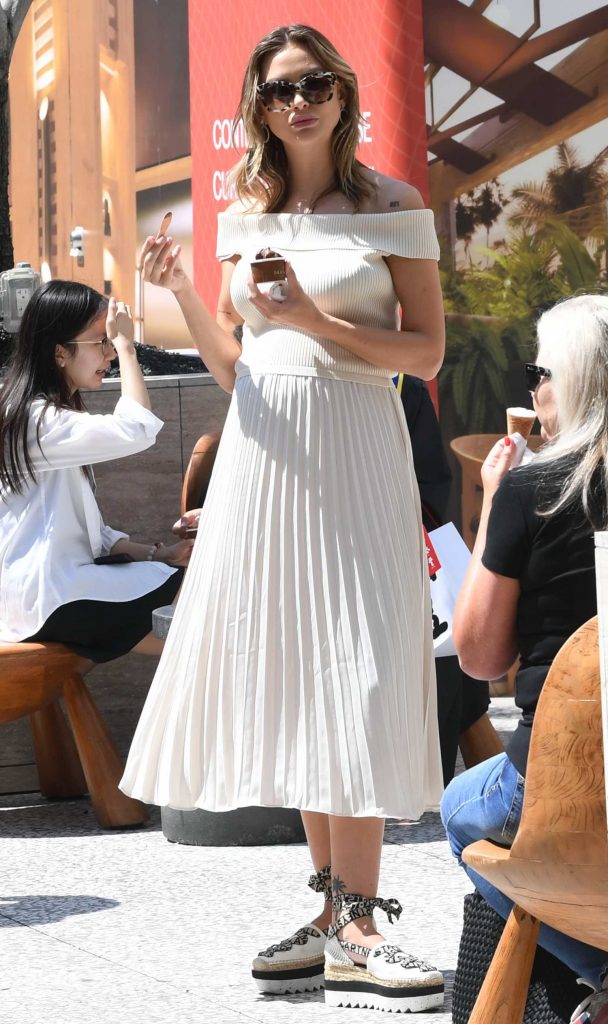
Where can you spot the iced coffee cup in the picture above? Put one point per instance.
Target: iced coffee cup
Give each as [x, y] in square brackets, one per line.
[520, 421]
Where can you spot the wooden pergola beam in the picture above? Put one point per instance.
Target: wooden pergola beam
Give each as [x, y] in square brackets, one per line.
[509, 142]
[471, 122]
[550, 42]
[474, 47]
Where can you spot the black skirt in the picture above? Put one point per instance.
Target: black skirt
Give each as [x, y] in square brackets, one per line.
[104, 630]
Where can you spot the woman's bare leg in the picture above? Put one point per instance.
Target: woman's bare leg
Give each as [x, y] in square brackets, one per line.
[356, 848]
[316, 827]
[296, 964]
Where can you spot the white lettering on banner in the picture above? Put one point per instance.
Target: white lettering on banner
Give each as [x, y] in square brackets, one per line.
[365, 129]
[221, 133]
[222, 139]
[222, 189]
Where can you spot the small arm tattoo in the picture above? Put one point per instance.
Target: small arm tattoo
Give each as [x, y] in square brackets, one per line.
[393, 203]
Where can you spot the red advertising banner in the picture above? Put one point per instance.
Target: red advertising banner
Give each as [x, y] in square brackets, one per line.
[382, 39]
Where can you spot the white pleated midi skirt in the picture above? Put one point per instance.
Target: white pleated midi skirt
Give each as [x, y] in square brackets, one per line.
[299, 671]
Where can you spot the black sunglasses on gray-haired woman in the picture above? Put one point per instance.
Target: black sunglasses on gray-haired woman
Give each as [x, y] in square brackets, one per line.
[534, 375]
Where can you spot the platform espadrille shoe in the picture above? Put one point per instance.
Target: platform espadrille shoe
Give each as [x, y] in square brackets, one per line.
[295, 964]
[389, 979]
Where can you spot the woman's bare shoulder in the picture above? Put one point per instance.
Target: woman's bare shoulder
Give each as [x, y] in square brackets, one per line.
[390, 195]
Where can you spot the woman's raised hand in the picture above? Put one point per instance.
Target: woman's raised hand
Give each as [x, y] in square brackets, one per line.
[120, 328]
[297, 309]
[160, 263]
[497, 464]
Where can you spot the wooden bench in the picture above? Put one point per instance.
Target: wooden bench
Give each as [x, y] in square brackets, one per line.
[556, 871]
[33, 677]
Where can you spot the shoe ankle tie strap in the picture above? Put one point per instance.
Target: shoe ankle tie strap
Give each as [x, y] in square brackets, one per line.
[395, 955]
[321, 882]
[350, 907]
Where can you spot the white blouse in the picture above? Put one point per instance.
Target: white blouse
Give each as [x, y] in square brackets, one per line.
[50, 534]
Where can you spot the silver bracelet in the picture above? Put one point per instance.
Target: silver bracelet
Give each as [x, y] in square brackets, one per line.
[150, 557]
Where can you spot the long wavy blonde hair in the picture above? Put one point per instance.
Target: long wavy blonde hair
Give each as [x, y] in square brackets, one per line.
[262, 172]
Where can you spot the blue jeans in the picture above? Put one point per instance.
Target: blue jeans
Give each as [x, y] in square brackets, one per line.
[485, 802]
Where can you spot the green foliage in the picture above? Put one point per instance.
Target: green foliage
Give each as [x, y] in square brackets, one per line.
[482, 206]
[529, 273]
[474, 374]
[501, 304]
[520, 280]
[569, 186]
[577, 267]
[544, 259]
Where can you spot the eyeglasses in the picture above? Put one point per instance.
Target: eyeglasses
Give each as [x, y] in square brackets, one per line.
[534, 375]
[107, 346]
[279, 94]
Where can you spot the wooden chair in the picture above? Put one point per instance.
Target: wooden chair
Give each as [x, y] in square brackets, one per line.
[32, 679]
[557, 868]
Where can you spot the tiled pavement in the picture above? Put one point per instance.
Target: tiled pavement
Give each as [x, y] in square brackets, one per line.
[103, 927]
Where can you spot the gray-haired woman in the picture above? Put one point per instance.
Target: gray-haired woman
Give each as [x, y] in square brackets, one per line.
[531, 582]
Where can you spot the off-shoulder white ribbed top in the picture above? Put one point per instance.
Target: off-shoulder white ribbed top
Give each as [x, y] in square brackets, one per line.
[339, 261]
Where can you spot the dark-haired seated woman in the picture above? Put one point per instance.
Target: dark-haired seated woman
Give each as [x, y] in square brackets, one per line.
[531, 584]
[52, 535]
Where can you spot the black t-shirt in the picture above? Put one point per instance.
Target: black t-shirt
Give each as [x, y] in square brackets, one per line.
[553, 558]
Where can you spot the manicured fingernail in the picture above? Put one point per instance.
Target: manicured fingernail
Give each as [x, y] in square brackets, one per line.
[507, 442]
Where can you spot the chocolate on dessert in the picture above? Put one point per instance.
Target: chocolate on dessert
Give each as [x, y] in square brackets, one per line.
[268, 266]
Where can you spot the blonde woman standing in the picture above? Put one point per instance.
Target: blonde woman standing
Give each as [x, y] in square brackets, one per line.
[299, 669]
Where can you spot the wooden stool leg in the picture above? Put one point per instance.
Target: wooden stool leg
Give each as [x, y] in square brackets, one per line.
[502, 997]
[100, 759]
[59, 768]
